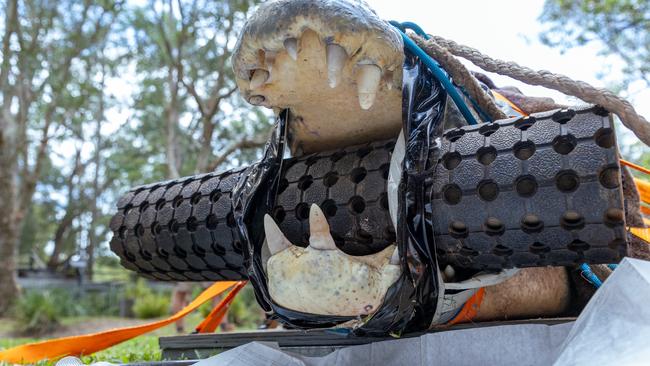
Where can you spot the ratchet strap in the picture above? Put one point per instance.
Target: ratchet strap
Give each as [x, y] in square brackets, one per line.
[212, 321]
[91, 343]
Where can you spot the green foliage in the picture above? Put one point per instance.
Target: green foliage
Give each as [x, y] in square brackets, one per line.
[137, 289]
[99, 303]
[622, 27]
[244, 311]
[202, 35]
[147, 303]
[38, 312]
[205, 309]
[97, 75]
[151, 306]
[140, 349]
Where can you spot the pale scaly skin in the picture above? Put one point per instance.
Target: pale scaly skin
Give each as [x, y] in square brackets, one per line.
[321, 279]
[334, 64]
[338, 68]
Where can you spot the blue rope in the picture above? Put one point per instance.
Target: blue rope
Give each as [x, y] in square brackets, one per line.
[478, 109]
[612, 266]
[590, 276]
[435, 68]
[415, 28]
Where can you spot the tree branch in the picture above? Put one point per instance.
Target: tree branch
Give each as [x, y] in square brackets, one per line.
[240, 145]
[72, 211]
[197, 98]
[11, 20]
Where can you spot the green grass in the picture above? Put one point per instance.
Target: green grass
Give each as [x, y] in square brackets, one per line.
[142, 348]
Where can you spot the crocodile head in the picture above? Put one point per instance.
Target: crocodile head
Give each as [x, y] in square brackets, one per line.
[321, 279]
[334, 64]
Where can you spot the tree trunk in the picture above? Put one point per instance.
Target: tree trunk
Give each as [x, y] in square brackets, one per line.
[8, 215]
[205, 154]
[59, 239]
[8, 158]
[94, 210]
[172, 125]
[8, 227]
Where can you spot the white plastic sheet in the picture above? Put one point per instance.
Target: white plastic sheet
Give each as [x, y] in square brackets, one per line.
[614, 328]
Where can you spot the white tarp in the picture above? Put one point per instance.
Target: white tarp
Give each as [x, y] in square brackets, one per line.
[614, 328]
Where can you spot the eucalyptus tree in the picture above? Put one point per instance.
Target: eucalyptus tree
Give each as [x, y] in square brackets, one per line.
[43, 47]
[620, 28]
[187, 101]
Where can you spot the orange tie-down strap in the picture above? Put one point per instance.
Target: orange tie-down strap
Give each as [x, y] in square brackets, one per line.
[641, 232]
[212, 321]
[91, 343]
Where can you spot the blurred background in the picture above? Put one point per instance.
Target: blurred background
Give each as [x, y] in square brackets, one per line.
[101, 96]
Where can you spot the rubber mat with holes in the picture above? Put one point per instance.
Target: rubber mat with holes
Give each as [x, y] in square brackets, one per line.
[535, 191]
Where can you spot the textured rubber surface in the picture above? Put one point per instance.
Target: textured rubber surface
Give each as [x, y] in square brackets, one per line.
[184, 229]
[536, 191]
[350, 186]
[181, 230]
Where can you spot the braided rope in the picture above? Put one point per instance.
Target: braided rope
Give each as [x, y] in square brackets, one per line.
[580, 89]
[461, 76]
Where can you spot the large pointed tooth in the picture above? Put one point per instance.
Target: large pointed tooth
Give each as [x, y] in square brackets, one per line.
[449, 273]
[276, 241]
[259, 78]
[319, 230]
[291, 45]
[368, 77]
[394, 259]
[336, 58]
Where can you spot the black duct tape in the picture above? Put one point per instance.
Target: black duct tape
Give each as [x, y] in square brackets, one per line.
[410, 303]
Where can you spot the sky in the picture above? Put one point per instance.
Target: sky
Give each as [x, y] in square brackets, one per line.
[506, 30]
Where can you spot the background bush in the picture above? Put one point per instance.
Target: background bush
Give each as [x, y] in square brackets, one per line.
[39, 312]
[151, 306]
[147, 303]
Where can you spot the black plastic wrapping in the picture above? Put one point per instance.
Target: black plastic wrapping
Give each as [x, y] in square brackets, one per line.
[410, 303]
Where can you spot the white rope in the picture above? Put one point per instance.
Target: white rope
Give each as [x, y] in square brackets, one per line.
[580, 89]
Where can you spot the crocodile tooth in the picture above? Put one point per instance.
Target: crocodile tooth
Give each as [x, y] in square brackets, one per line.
[276, 241]
[394, 259]
[336, 57]
[291, 45]
[319, 230]
[368, 77]
[449, 273]
[259, 78]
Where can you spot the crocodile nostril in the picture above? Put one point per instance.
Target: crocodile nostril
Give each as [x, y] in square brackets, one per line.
[256, 99]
